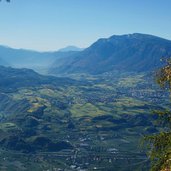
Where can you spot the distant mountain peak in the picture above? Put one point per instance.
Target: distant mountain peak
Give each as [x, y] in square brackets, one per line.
[135, 36]
[70, 48]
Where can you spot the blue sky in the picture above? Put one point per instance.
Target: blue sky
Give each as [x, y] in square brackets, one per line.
[52, 24]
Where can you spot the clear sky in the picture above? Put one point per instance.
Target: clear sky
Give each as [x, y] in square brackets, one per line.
[52, 24]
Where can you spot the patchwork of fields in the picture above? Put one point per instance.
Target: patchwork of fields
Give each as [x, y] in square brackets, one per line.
[97, 123]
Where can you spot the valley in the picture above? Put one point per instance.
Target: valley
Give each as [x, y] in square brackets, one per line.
[90, 110]
[85, 85]
[78, 122]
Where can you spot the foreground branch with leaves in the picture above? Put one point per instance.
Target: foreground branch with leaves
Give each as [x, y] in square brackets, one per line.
[160, 144]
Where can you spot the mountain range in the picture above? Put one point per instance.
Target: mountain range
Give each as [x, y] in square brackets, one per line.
[131, 52]
[22, 58]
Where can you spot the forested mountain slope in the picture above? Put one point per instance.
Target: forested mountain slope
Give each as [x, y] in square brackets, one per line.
[132, 52]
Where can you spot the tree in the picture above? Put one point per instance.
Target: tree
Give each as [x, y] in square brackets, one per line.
[160, 143]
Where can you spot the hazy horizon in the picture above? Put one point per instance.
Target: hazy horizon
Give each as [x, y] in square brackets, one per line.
[68, 46]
